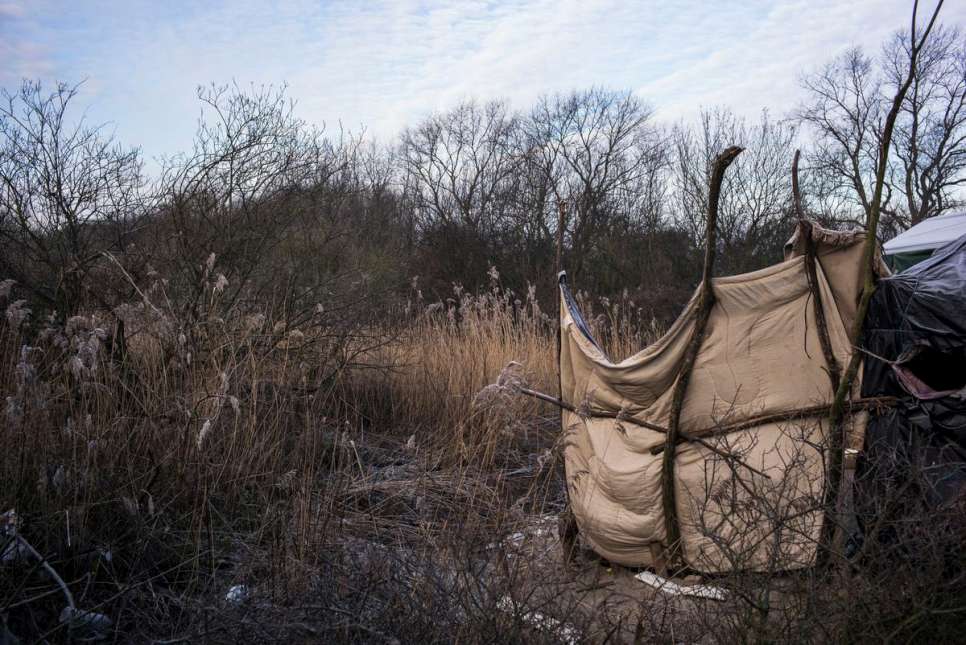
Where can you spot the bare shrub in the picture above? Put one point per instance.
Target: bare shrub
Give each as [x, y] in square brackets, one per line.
[68, 191]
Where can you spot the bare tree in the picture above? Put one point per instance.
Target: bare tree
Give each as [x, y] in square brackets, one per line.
[237, 195]
[459, 162]
[68, 192]
[754, 203]
[931, 129]
[846, 108]
[844, 112]
[535, 211]
[837, 411]
[600, 150]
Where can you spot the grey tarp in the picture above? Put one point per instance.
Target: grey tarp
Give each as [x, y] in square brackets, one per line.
[920, 241]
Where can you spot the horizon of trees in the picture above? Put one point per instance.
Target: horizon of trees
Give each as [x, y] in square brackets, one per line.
[587, 178]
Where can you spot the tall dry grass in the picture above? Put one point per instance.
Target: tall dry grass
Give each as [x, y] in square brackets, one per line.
[239, 479]
[448, 352]
[155, 461]
[236, 448]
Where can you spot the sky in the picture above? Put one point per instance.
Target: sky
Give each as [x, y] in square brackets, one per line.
[382, 65]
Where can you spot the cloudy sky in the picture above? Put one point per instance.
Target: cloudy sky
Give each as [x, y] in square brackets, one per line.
[384, 64]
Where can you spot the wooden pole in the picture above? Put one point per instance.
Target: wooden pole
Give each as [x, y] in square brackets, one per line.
[567, 529]
[705, 303]
[561, 223]
[563, 405]
[837, 411]
[811, 261]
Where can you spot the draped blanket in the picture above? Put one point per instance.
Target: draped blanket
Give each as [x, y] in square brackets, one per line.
[761, 358]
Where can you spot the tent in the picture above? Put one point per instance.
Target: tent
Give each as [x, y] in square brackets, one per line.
[746, 478]
[915, 342]
[919, 242]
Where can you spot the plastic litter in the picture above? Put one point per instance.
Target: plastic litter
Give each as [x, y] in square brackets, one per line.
[86, 624]
[567, 633]
[674, 589]
[237, 594]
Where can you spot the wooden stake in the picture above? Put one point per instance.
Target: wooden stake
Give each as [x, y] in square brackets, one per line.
[838, 409]
[705, 303]
[821, 323]
[561, 223]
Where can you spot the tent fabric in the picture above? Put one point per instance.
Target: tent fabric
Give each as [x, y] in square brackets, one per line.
[761, 355]
[927, 235]
[902, 261]
[915, 339]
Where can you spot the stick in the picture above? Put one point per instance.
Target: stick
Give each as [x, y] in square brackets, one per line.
[705, 303]
[790, 415]
[643, 424]
[561, 222]
[805, 230]
[603, 415]
[837, 411]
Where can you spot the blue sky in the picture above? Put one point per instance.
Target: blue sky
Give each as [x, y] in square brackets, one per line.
[386, 64]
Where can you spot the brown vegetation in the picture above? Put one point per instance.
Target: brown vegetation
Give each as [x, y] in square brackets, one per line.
[271, 394]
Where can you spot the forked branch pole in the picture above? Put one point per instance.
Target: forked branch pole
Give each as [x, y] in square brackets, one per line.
[837, 412]
[705, 303]
[811, 269]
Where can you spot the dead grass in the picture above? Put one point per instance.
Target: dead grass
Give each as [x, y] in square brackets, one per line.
[448, 352]
[232, 450]
[241, 480]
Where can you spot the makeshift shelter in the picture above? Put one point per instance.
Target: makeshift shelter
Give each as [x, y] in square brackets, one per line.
[752, 419]
[915, 340]
[920, 241]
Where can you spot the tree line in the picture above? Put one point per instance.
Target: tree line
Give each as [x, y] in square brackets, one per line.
[588, 180]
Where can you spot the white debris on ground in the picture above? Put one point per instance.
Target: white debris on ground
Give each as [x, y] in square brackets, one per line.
[237, 594]
[542, 622]
[540, 532]
[674, 589]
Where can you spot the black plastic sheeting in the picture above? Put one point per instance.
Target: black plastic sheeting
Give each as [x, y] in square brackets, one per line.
[915, 343]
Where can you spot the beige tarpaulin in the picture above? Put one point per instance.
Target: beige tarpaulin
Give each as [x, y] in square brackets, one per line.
[761, 355]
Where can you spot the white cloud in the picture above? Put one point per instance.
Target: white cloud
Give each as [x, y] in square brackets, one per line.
[11, 10]
[385, 64]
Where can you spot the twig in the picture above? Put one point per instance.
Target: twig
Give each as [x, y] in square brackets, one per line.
[27, 601]
[133, 284]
